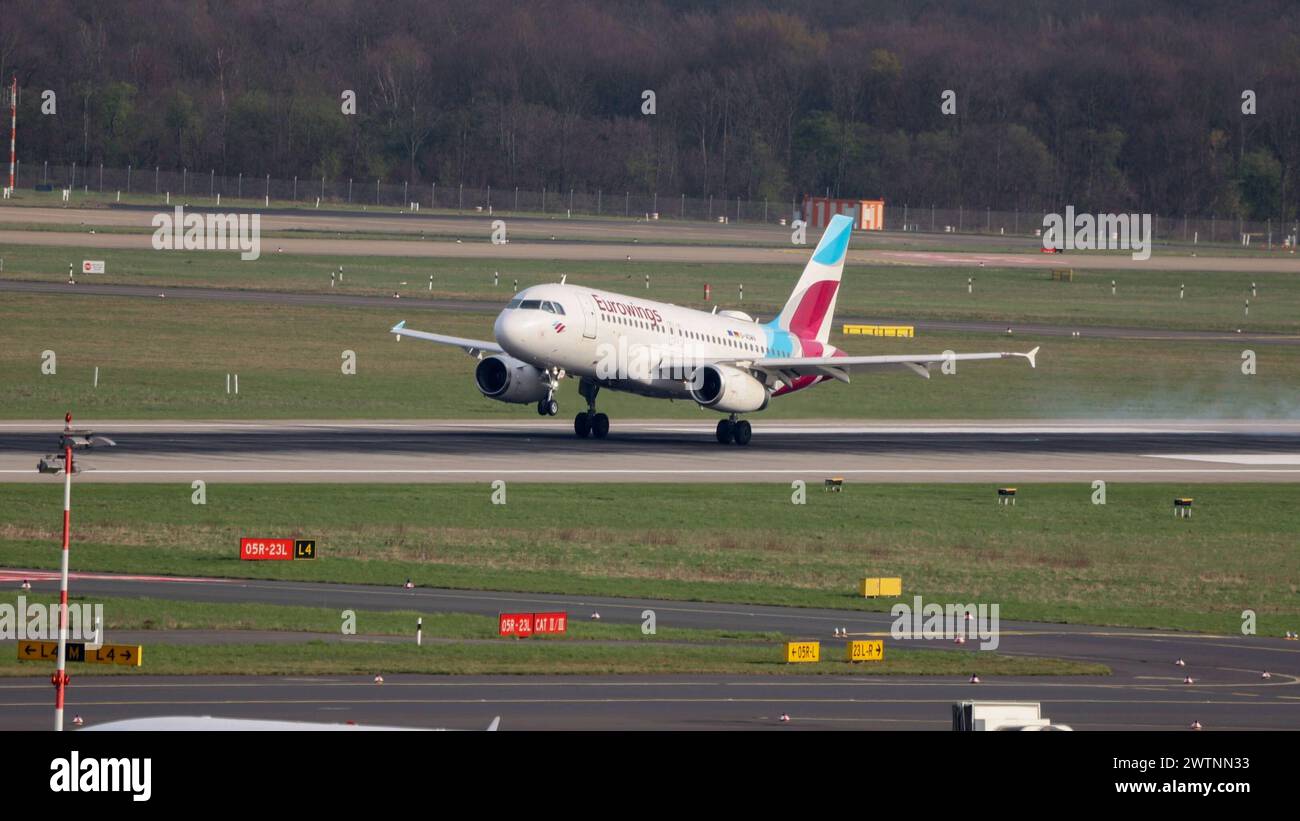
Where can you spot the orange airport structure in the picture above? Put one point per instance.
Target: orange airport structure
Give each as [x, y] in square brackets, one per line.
[868, 215]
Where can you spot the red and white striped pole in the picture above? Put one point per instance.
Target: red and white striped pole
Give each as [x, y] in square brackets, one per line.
[13, 130]
[60, 677]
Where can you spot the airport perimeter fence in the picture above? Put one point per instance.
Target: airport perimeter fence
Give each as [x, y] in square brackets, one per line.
[205, 186]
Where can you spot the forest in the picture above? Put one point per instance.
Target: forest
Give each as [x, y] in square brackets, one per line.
[1172, 106]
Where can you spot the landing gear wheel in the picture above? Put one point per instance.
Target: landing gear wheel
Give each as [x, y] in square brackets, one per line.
[600, 426]
[582, 425]
[742, 432]
[726, 431]
[548, 407]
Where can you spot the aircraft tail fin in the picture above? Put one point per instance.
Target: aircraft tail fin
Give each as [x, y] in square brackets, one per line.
[810, 310]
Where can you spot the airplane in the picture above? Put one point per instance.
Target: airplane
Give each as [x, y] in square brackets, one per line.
[218, 723]
[724, 361]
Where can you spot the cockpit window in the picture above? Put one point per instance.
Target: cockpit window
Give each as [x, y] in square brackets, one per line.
[531, 304]
[546, 306]
[514, 303]
[559, 309]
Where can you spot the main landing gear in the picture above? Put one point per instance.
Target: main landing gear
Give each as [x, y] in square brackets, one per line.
[730, 430]
[590, 423]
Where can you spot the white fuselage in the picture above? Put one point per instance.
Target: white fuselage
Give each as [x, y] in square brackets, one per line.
[630, 343]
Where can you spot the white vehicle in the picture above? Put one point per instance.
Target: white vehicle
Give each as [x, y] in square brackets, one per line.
[724, 361]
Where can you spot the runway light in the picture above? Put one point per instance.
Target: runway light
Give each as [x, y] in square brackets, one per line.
[595, 617]
[77, 721]
[1180, 663]
[379, 679]
[974, 679]
[785, 717]
[1189, 680]
[1266, 675]
[959, 640]
[26, 585]
[409, 585]
[1196, 725]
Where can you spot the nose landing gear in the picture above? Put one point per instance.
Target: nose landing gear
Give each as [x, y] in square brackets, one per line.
[548, 406]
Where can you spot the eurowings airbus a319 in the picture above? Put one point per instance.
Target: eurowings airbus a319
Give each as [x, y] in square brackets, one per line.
[724, 361]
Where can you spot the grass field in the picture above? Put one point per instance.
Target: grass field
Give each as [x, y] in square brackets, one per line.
[1054, 557]
[551, 658]
[1212, 301]
[461, 643]
[140, 613]
[169, 359]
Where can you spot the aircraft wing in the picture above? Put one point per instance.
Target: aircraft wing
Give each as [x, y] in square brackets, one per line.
[473, 347]
[785, 369]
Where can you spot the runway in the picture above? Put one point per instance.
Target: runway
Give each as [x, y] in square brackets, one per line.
[616, 251]
[670, 451]
[1145, 691]
[650, 703]
[416, 304]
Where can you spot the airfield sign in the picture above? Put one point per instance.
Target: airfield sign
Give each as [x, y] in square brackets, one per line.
[129, 655]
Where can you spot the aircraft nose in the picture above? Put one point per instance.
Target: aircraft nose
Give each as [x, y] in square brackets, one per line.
[512, 330]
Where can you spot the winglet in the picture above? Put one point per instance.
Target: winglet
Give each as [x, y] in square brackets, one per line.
[496, 722]
[1030, 356]
[397, 329]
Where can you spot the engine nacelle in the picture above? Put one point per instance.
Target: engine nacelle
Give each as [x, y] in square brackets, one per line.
[507, 379]
[727, 390]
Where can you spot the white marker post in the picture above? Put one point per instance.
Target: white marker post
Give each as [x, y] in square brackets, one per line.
[419, 631]
[96, 376]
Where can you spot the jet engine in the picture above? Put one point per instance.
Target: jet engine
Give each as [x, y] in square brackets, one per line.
[507, 379]
[727, 390]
